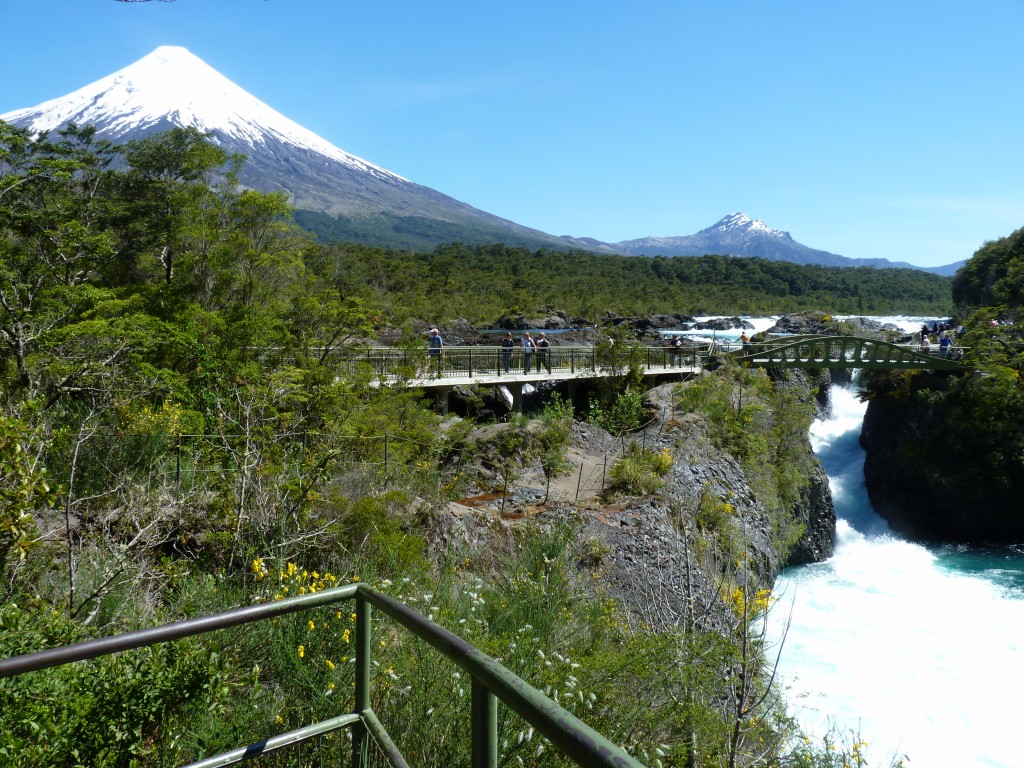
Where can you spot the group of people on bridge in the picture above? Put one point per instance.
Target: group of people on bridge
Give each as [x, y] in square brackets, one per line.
[943, 337]
[539, 348]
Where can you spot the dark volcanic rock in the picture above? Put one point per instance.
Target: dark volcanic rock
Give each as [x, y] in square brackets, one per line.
[929, 487]
[650, 552]
[817, 515]
[722, 324]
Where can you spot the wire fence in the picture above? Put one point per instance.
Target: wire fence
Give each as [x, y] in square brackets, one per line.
[395, 460]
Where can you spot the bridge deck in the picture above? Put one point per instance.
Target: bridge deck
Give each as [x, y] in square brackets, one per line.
[486, 366]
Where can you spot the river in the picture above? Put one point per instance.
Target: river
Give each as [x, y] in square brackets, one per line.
[918, 649]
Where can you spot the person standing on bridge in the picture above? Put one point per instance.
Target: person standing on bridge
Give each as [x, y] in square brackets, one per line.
[673, 354]
[508, 345]
[745, 341]
[945, 344]
[529, 345]
[543, 352]
[435, 350]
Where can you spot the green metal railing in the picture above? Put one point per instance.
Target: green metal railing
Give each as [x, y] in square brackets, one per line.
[491, 682]
[843, 352]
[388, 363]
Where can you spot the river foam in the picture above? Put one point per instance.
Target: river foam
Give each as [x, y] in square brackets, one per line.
[916, 648]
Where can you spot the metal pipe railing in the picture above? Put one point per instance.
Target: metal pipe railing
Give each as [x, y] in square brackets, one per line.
[491, 682]
[390, 363]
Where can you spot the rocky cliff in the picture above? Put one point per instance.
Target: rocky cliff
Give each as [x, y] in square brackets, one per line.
[943, 462]
[665, 557]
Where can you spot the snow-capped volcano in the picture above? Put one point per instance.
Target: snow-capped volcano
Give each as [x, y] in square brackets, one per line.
[172, 87]
[741, 223]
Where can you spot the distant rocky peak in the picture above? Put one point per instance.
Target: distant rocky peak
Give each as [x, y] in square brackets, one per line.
[740, 223]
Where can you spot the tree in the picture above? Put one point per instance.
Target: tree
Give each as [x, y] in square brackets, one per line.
[171, 185]
[56, 234]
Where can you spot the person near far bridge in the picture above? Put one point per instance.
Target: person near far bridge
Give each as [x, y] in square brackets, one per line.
[926, 343]
[435, 349]
[945, 344]
[745, 341]
[508, 345]
[529, 345]
[543, 352]
[673, 350]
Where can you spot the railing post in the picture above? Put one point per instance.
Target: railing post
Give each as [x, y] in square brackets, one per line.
[484, 707]
[360, 745]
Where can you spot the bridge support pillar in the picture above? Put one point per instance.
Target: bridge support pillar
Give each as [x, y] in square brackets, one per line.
[516, 388]
[441, 395]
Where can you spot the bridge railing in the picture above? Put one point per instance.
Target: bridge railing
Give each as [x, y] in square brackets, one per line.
[491, 682]
[389, 363]
[843, 352]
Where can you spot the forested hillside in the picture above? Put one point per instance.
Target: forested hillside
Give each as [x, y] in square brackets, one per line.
[963, 436]
[484, 281]
[177, 437]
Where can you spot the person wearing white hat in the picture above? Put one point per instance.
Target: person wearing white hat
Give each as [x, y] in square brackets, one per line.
[435, 349]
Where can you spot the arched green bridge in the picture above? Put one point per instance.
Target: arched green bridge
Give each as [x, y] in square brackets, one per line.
[847, 352]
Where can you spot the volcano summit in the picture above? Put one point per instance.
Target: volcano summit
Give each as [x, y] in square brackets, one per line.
[171, 87]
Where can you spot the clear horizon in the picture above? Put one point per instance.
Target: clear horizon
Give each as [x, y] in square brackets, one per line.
[870, 131]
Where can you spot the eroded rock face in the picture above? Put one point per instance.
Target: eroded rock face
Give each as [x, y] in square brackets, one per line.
[817, 515]
[663, 557]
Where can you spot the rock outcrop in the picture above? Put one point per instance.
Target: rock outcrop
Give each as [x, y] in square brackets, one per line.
[938, 468]
[658, 555]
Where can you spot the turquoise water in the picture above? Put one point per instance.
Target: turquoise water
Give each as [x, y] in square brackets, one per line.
[917, 648]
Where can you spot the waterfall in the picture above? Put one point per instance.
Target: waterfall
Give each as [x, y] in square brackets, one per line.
[915, 648]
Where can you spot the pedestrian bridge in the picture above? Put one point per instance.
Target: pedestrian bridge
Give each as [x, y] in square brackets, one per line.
[847, 352]
[486, 366]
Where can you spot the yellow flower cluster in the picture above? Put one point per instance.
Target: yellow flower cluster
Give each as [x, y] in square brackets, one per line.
[293, 580]
[753, 605]
[662, 461]
[166, 418]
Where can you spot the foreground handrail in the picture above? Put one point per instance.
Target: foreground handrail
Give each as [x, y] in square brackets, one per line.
[491, 681]
[563, 729]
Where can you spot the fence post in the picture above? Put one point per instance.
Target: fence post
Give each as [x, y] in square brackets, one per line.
[177, 464]
[360, 744]
[604, 471]
[484, 709]
[579, 482]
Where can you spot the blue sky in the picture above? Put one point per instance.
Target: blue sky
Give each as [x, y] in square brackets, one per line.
[869, 129]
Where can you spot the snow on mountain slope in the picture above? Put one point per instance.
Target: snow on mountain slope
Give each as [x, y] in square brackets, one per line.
[173, 85]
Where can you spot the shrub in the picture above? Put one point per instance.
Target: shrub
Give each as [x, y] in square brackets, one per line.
[640, 470]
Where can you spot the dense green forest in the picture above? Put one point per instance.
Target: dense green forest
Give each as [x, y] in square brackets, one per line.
[177, 437]
[482, 282]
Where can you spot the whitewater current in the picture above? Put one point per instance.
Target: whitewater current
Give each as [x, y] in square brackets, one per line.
[917, 649]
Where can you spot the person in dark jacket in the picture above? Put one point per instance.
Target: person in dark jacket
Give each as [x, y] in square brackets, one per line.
[543, 352]
[508, 345]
